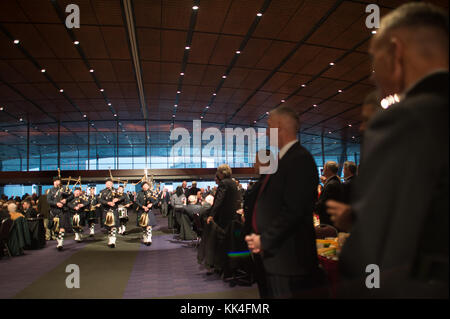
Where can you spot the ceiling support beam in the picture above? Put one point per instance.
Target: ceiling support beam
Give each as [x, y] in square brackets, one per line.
[128, 15]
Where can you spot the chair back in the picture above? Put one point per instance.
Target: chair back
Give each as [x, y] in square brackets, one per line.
[324, 231]
[5, 228]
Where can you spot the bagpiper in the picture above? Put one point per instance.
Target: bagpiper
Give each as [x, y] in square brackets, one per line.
[90, 210]
[76, 206]
[145, 200]
[108, 199]
[57, 199]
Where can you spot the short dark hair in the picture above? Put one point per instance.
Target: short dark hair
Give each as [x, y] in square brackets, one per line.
[145, 183]
[351, 167]
[416, 14]
[288, 112]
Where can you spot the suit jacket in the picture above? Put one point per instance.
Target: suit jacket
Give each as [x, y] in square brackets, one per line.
[226, 202]
[347, 186]
[285, 215]
[332, 189]
[401, 196]
[192, 209]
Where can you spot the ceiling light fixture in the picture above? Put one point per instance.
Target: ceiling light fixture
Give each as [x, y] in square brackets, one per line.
[349, 125]
[331, 63]
[282, 101]
[303, 85]
[181, 73]
[115, 115]
[207, 106]
[339, 91]
[259, 14]
[214, 94]
[61, 90]
[1, 108]
[84, 115]
[91, 70]
[178, 92]
[102, 90]
[76, 42]
[374, 31]
[43, 70]
[224, 76]
[195, 8]
[187, 48]
[314, 105]
[109, 104]
[238, 52]
[16, 41]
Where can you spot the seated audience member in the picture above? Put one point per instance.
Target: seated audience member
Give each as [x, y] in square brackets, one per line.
[331, 190]
[349, 172]
[28, 210]
[186, 219]
[203, 230]
[13, 213]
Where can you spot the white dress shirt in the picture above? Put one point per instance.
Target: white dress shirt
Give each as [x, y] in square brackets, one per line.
[286, 148]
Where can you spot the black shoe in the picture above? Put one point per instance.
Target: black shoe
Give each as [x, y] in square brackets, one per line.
[112, 246]
[148, 243]
[60, 248]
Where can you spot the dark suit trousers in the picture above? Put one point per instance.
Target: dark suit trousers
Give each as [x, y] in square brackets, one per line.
[295, 287]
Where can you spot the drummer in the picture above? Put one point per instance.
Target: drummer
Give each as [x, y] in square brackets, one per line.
[123, 204]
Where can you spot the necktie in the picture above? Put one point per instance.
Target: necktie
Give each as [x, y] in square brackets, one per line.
[263, 185]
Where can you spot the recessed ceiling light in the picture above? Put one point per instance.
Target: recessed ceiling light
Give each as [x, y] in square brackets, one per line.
[267, 113]
[91, 70]
[195, 8]
[282, 101]
[109, 104]
[329, 132]
[374, 31]
[115, 115]
[102, 90]
[16, 41]
[173, 115]
[238, 52]
[331, 63]
[340, 91]
[314, 105]
[224, 76]
[207, 106]
[61, 90]
[43, 70]
[187, 48]
[353, 137]
[178, 92]
[21, 119]
[181, 73]
[1, 108]
[214, 94]
[254, 121]
[259, 14]
[349, 125]
[76, 42]
[201, 117]
[303, 85]
[176, 105]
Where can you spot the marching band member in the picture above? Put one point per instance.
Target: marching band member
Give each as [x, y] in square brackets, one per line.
[76, 208]
[90, 210]
[58, 219]
[123, 204]
[146, 218]
[108, 199]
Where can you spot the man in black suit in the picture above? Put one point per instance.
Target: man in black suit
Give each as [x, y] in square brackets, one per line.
[193, 190]
[282, 218]
[401, 196]
[332, 189]
[349, 172]
[27, 210]
[222, 213]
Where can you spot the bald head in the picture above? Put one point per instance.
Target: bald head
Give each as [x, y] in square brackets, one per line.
[411, 43]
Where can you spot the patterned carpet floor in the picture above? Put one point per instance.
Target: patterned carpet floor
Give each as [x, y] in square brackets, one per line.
[166, 269]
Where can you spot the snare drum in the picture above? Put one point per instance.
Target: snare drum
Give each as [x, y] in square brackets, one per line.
[123, 212]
